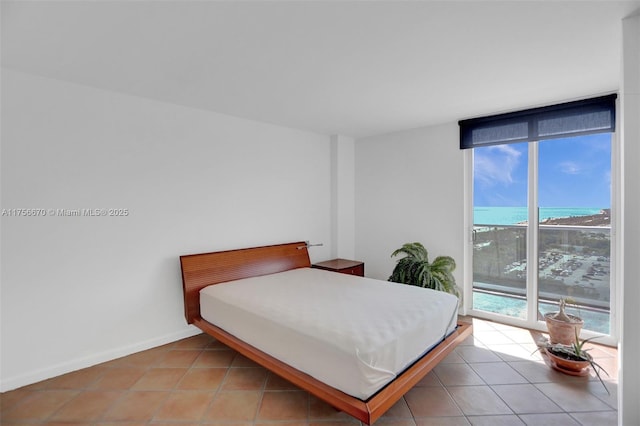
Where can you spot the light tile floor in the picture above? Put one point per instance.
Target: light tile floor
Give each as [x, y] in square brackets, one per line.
[494, 378]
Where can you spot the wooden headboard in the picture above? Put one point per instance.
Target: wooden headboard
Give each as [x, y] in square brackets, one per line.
[201, 270]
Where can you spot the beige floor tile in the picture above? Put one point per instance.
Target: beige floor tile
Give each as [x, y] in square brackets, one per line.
[483, 325]
[430, 380]
[598, 418]
[537, 372]
[101, 423]
[533, 350]
[571, 397]
[610, 366]
[554, 419]
[216, 345]
[521, 335]
[118, 378]
[457, 375]
[478, 400]
[159, 379]
[497, 373]
[477, 354]
[39, 405]
[442, 421]
[76, 380]
[501, 420]
[608, 395]
[395, 422]
[175, 423]
[431, 402]
[493, 337]
[502, 327]
[275, 382]
[234, 406]
[216, 358]
[50, 423]
[399, 410]
[200, 341]
[10, 399]
[472, 341]
[242, 361]
[88, 405]
[293, 423]
[525, 399]
[321, 411]
[284, 405]
[182, 358]
[184, 406]
[515, 352]
[208, 379]
[136, 406]
[245, 379]
[228, 423]
[453, 358]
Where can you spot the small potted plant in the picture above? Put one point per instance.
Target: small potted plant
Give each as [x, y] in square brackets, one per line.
[563, 327]
[573, 359]
[415, 269]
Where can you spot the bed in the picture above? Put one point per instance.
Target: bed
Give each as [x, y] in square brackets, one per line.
[267, 304]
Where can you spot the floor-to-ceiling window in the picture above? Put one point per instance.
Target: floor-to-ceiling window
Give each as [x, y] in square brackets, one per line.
[500, 215]
[542, 213]
[574, 230]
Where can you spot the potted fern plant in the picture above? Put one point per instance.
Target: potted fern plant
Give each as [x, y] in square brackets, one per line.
[415, 269]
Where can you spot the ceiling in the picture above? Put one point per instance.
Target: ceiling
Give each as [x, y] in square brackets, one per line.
[354, 68]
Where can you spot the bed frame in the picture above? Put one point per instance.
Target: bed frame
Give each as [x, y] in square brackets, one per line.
[201, 270]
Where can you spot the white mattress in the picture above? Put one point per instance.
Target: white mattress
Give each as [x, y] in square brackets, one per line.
[352, 333]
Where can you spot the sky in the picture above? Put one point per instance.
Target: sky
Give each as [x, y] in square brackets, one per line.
[572, 172]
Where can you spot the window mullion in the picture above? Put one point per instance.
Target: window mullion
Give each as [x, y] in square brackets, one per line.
[532, 236]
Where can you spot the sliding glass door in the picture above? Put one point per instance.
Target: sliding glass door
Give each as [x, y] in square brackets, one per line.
[500, 215]
[542, 229]
[574, 232]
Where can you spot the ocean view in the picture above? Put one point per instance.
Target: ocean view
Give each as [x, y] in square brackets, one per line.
[514, 215]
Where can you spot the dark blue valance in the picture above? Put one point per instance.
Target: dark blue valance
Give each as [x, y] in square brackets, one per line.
[587, 116]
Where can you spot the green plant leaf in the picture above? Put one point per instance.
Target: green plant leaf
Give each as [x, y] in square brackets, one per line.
[415, 269]
[413, 250]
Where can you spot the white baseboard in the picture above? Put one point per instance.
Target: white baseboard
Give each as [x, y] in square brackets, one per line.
[88, 361]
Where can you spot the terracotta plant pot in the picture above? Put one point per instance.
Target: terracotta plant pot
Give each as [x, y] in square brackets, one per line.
[562, 331]
[568, 366]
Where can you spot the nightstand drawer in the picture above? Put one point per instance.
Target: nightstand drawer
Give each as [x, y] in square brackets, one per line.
[343, 266]
[356, 270]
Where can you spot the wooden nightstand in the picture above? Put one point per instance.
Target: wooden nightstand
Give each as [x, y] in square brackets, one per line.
[343, 266]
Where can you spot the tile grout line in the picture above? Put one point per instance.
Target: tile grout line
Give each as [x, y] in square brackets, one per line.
[260, 401]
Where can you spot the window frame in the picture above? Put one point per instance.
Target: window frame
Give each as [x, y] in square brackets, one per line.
[532, 245]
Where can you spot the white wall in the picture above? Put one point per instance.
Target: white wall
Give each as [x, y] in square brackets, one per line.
[81, 290]
[630, 341]
[409, 188]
